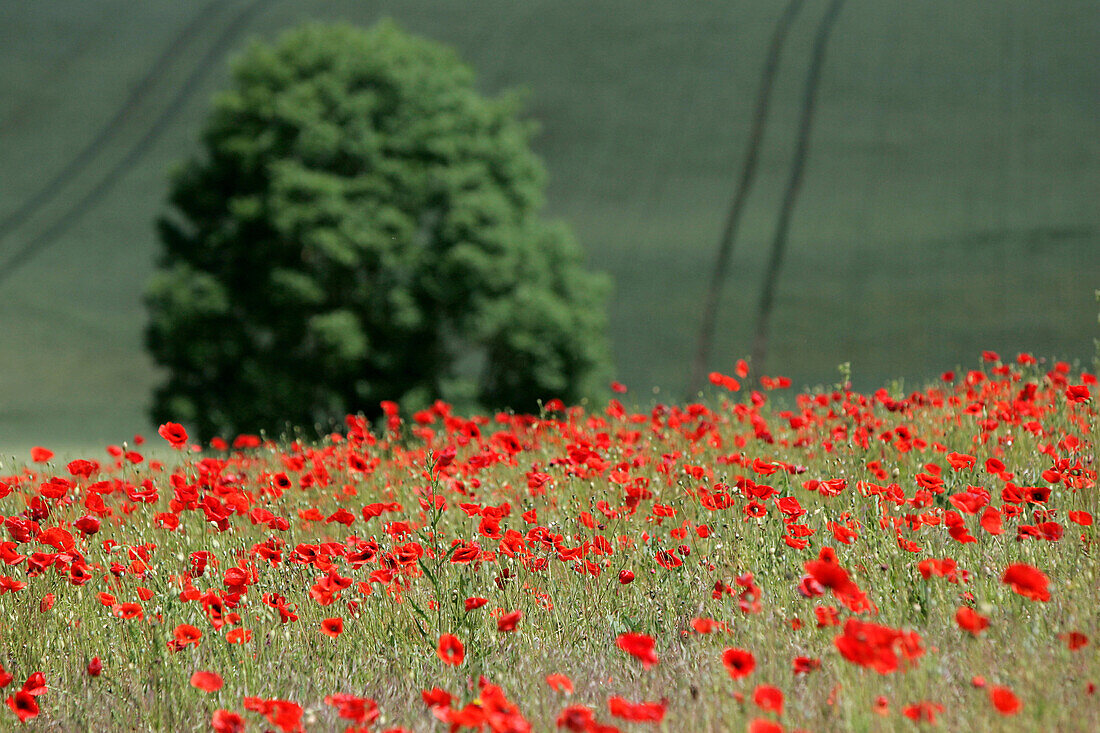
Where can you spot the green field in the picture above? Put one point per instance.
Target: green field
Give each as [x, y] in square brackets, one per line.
[950, 202]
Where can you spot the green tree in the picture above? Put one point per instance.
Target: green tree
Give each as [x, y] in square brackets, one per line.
[363, 225]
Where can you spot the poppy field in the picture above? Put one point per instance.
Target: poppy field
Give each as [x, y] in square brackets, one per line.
[762, 559]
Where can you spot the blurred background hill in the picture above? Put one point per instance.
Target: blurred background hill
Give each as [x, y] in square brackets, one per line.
[949, 206]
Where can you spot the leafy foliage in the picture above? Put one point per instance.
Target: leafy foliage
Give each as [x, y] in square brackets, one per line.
[364, 226]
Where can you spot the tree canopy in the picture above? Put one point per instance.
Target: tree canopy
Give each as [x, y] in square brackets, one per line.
[363, 225]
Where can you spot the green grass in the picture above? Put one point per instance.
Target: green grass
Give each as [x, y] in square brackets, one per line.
[949, 203]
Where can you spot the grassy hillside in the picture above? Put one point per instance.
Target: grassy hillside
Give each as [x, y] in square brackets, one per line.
[949, 204]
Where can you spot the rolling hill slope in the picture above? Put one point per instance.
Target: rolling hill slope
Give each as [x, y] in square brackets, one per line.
[949, 203]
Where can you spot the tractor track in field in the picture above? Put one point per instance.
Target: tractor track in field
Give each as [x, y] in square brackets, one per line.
[49, 236]
[88, 153]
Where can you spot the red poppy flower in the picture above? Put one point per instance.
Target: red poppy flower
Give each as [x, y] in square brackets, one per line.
[1082, 518]
[40, 454]
[436, 698]
[970, 620]
[641, 712]
[95, 667]
[560, 683]
[173, 433]
[877, 647]
[826, 616]
[739, 662]
[509, 621]
[283, 714]
[475, 603]
[576, 718]
[466, 553]
[768, 698]
[762, 725]
[451, 650]
[35, 684]
[187, 634]
[703, 625]
[626, 577]
[668, 560]
[1005, 700]
[361, 710]
[722, 380]
[960, 460]
[1028, 581]
[1075, 640]
[332, 627]
[991, 521]
[1078, 393]
[923, 712]
[23, 705]
[639, 646]
[83, 468]
[129, 610]
[207, 681]
[755, 509]
[239, 636]
[805, 665]
[225, 721]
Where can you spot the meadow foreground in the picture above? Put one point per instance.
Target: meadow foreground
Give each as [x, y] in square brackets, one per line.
[761, 560]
